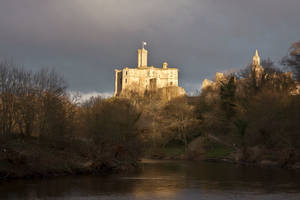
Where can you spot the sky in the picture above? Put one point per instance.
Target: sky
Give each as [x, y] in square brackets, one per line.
[85, 40]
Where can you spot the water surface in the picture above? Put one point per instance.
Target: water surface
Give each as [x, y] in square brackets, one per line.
[164, 180]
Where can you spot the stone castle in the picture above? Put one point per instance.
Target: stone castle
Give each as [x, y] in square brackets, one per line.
[257, 71]
[145, 78]
[256, 68]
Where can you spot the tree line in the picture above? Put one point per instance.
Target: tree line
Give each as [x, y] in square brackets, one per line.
[261, 121]
[239, 113]
[44, 131]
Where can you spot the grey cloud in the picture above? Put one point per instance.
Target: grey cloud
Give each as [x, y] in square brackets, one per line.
[86, 39]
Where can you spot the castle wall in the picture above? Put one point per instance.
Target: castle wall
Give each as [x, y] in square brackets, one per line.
[118, 82]
[141, 79]
[145, 77]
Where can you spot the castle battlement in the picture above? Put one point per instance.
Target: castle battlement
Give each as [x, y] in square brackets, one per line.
[145, 78]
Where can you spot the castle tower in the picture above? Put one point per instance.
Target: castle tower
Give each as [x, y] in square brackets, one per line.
[142, 56]
[256, 59]
[257, 69]
[165, 65]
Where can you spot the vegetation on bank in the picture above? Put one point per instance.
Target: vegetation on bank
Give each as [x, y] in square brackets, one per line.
[260, 118]
[45, 132]
[245, 118]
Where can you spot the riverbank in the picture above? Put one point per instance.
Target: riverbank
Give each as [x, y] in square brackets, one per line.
[29, 157]
[216, 150]
[211, 151]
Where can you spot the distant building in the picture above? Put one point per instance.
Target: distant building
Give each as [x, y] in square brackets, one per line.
[257, 72]
[147, 78]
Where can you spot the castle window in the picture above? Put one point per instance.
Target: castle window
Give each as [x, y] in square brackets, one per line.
[126, 73]
[126, 80]
[171, 83]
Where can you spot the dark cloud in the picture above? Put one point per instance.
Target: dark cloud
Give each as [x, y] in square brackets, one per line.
[86, 40]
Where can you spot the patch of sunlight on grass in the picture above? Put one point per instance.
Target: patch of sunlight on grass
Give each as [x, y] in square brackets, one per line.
[174, 150]
[218, 151]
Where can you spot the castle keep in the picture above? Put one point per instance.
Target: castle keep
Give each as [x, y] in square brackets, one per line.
[147, 78]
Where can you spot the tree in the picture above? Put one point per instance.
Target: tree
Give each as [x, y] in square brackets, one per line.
[177, 121]
[293, 60]
[112, 126]
[227, 96]
[31, 101]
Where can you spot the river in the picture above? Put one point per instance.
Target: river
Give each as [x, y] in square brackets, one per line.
[164, 180]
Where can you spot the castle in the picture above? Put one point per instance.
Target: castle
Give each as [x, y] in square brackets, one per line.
[145, 78]
[256, 69]
[257, 72]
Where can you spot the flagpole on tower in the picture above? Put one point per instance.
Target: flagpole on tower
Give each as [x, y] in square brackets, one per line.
[144, 44]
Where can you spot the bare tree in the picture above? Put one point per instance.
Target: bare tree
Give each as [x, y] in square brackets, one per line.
[293, 60]
[28, 100]
[177, 121]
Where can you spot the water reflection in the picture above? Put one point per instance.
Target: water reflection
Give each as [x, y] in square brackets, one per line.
[165, 180]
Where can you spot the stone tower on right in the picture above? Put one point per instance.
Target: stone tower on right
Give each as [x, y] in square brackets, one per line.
[256, 70]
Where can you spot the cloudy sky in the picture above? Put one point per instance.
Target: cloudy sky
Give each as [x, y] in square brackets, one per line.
[85, 40]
